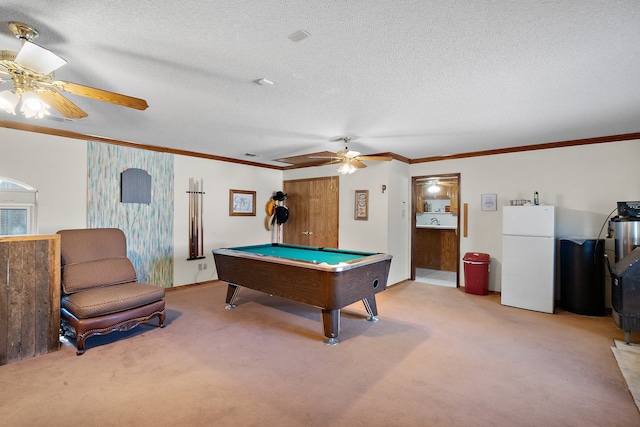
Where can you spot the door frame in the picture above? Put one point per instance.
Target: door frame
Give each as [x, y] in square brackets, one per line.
[414, 211]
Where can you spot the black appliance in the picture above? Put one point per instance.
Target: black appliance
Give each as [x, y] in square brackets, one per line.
[582, 288]
[625, 293]
[631, 209]
[625, 274]
[626, 228]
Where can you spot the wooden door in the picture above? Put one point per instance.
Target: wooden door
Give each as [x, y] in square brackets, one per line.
[313, 212]
[295, 230]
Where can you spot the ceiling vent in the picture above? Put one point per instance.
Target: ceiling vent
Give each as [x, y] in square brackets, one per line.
[299, 35]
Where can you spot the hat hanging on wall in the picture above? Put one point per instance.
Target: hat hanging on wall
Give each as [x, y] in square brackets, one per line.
[271, 205]
[279, 196]
[282, 214]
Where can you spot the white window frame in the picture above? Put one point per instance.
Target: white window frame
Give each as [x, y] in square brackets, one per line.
[23, 197]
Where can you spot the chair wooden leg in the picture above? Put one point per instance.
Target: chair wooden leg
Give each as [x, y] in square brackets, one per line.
[79, 346]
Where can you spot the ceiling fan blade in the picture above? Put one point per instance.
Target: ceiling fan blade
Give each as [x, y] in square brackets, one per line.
[101, 95]
[322, 157]
[39, 59]
[376, 158]
[333, 162]
[358, 164]
[330, 162]
[62, 104]
[312, 158]
[321, 162]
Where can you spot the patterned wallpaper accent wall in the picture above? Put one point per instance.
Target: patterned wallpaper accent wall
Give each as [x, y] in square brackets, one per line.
[148, 227]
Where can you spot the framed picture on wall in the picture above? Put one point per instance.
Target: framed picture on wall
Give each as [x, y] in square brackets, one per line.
[242, 203]
[362, 205]
[488, 202]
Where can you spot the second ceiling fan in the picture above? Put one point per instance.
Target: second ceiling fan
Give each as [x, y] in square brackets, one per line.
[351, 160]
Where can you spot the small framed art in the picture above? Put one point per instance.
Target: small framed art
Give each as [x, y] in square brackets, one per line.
[242, 203]
[489, 202]
[362, 205]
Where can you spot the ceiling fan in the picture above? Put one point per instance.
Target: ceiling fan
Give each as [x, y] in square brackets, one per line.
[31, 70]
[350, 161]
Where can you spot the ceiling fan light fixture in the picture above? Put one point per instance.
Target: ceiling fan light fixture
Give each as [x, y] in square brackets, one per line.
[9, 101]
[32, 106]
[433, 187]
[346, 168]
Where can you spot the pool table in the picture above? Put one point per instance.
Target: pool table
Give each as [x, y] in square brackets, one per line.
[327, 278]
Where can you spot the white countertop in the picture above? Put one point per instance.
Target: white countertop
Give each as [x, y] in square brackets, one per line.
[441, 227]
[436, 213]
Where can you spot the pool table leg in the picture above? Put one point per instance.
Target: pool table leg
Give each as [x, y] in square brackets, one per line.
[331, 324]
[232, 293]
[372, 308]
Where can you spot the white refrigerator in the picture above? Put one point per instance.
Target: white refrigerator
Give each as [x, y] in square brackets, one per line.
[528, 257]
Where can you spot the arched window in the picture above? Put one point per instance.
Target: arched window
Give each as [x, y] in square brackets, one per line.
[18, 208]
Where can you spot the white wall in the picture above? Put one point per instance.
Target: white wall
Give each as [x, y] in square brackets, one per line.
[56, 167]
[583, 182]
[399, 227]
[220, 229]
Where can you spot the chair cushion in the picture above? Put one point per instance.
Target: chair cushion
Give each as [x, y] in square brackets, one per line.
[111, 299]
[94, 274]
[90, 244]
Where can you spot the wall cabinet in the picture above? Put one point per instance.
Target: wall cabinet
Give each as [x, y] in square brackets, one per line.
[453, 196]
[29, 296]
[436, 249]
[447, 192]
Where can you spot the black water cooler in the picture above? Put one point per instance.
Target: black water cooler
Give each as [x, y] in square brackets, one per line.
[582, 276]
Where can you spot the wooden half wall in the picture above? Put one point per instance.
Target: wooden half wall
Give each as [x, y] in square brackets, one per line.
[29, 296]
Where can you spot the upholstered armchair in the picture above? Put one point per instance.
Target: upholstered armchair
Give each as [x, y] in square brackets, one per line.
[100, 289]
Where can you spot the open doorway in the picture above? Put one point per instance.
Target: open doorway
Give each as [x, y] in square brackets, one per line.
[435, 241]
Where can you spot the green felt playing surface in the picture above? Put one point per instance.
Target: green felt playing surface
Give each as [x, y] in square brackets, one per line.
[305, 253]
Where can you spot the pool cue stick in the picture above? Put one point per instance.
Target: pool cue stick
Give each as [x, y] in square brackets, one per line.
[192, 253]
[195, 225]
[201, 217]
[189, 223]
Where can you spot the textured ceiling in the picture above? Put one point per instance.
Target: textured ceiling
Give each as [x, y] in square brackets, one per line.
[416, 78]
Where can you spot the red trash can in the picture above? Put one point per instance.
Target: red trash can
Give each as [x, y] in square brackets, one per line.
[476, 273]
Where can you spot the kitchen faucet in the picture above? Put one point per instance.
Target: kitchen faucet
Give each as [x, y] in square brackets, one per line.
[435, 221]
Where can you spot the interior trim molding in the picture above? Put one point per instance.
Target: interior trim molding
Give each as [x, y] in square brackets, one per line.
[75, 135]
[533, 147]
[545, 146]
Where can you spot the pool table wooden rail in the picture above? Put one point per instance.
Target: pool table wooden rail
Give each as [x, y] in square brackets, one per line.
[366, 260]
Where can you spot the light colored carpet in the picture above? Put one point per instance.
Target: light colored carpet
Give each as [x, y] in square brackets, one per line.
[437, 357]
[628, 357]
